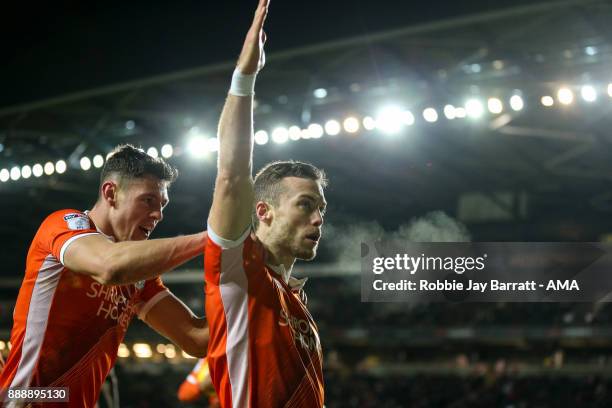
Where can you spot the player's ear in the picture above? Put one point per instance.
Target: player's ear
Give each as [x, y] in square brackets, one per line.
[109, 191]
[264, 212]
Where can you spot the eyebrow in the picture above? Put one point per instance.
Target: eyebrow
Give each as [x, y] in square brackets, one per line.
[313, 198]
[164, 202]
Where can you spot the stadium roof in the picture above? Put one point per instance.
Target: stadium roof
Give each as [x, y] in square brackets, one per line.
[535, 173]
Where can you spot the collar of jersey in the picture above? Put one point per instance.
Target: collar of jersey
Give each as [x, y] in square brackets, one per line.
[294, 283]
[86, 212]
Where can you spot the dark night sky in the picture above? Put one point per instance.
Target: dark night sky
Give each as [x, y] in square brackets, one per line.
[51, 50]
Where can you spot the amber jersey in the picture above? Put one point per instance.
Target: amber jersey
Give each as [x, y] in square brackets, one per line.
[264, 348]
[66, 326]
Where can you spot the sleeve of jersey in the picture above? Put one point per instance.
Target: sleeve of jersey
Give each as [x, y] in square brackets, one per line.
[223, 257]
[223, 243]
[153, 291]
[62, 228]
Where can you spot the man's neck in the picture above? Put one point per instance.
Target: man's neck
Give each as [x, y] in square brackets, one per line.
[275, 258]
[99, 217]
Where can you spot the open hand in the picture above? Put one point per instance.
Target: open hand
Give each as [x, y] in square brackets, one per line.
[252, 57]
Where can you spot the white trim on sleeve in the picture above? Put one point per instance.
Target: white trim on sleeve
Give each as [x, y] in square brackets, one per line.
[70, 241]
[142, 312]
[226, 243]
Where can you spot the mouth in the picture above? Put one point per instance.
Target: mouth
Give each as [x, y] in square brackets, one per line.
[314, 237]
[146, 231]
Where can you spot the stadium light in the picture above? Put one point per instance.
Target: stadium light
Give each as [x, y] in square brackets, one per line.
[320, 93]
[49, 168]
[280, 135]
[517, 103]
[60, 167]
[430, 115]
[152, 151]
[588, 93]
[15, 173]
[474, 108]
[170, 351]
[610, 90]
[449, 112]
[142, 350]
[295, 133]
[389, 119]
[5, 175]
[85, 163]
[351, 124]
[197, 147]
[547, 101]
[460, 112]
[98, 161]
[369, 123]
[261, 137]
[565, 96]
[332, 127]
[26, 172]
[167, 151]
[407, 118]
[315, 131]
[37, 170]
[495, 106]
[123, 351]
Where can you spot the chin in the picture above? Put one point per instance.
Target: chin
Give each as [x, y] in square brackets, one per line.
[306, 254]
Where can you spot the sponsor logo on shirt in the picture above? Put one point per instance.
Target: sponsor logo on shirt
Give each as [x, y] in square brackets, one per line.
[77, 221]
[116, 302]
[303, 333]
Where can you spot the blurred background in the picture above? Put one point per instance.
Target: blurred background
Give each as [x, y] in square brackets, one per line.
[444, 121]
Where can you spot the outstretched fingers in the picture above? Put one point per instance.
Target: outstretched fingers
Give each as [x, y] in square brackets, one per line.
[252, 57]
[260, 14]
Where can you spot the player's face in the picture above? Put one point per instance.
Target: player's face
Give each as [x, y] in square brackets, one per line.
[298, 218]
[139, 207]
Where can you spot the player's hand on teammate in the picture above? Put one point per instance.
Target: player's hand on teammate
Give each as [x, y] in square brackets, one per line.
[252, 57]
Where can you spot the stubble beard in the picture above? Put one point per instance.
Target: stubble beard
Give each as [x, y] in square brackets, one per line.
[286, 240]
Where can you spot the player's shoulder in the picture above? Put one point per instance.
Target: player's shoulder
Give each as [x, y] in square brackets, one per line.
[68, 218]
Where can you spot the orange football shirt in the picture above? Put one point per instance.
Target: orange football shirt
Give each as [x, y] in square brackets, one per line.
[66, 326]
[264, 348]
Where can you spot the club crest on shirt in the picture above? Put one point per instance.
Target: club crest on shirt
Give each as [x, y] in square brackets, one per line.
[77, 221]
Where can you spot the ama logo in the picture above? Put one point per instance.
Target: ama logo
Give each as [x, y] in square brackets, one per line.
[562, 285]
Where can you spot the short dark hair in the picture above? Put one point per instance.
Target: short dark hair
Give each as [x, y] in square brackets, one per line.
[129, 162]
[267, 183]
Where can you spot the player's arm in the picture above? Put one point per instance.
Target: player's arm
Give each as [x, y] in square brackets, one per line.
[230, 214]
[175, 321]
[114, 263]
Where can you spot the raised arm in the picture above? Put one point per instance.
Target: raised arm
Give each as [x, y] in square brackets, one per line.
[230, 214]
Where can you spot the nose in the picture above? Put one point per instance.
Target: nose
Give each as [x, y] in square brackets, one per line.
[158, 214]
[317, 220]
